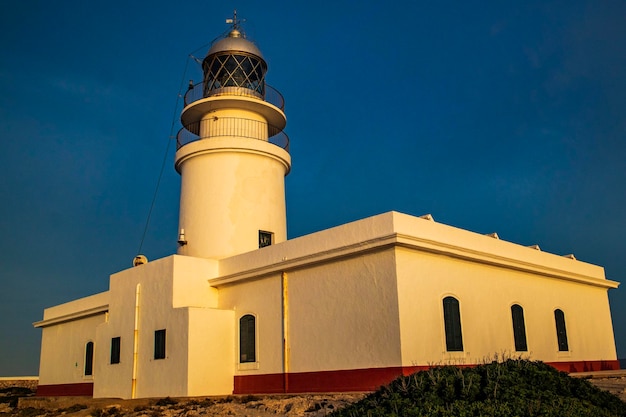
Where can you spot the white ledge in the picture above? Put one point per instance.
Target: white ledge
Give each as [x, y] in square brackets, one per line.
[73, 316]
[410, 242]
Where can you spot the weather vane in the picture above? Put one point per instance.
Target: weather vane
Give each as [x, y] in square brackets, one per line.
[234, 21]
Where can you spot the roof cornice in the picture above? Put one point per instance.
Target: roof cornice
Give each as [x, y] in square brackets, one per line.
[412, 243]
[73, 316]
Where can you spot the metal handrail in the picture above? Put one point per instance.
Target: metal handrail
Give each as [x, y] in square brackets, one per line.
[237, 127]
[272, 95]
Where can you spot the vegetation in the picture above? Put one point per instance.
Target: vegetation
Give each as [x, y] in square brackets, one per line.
[110, 412]
[72, 409]
[507, 389]
[166, 401]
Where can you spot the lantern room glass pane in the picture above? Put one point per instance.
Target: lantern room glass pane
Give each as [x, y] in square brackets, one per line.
[230, 63]
[235, 70]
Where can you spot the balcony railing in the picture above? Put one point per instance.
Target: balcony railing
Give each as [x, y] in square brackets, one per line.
[272, 95]
[232, 126]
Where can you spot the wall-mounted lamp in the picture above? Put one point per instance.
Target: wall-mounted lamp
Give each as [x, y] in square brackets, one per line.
[182, 241]
[140, 260]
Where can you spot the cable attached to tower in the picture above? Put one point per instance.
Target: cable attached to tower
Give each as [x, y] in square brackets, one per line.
[167, 150]
[171, 135]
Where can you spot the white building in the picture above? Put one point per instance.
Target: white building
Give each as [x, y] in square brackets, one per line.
[241, 309]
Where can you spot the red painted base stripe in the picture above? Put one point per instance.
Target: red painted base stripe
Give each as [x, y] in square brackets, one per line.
[259, 384]
[586, 366]
[364, 379]
[66, 390]
[368, 379]
[324, 381]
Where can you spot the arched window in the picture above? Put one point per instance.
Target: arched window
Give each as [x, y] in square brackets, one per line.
[247, 339]
[519, 328]
[452, 322]
[89, 359]
[561, 332]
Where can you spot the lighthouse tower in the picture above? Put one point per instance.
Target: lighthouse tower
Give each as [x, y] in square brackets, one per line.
[232, 155]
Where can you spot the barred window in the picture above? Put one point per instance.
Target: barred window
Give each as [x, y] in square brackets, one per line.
[265, 238]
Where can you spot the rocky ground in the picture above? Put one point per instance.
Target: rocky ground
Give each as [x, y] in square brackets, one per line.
[615, 384]
[243, 406]
[16, 400]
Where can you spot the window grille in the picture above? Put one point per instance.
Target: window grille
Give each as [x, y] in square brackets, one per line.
[265, 238]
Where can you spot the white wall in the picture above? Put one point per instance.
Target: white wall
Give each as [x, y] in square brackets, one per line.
[167, 286]
[363, 295]
[344, 315]
[75, 308]
[261, 298]
[63, 345]
[486, 293]
[230, 189]
[211, 352]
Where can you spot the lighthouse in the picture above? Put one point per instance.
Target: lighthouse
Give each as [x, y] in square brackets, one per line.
[232, 155]
[348, 308]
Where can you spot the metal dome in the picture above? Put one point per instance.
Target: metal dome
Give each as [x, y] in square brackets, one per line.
[235, 42]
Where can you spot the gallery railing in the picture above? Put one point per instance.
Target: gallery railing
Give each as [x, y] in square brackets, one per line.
[271, 95]
[233, 127]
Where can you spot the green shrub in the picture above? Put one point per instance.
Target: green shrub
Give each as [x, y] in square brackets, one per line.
[97, 412]
[72, 408]
[30, 412]
[248, 398]
[166, 401]
[204, 403]
[510, 388]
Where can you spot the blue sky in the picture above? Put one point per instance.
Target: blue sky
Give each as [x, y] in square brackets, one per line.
[499, 117]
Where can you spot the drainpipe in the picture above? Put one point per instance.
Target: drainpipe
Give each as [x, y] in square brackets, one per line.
[286, 348]
[135, 342]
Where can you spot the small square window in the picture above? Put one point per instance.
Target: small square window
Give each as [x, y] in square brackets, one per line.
[115, 350]
[265, 238]
[159, 344]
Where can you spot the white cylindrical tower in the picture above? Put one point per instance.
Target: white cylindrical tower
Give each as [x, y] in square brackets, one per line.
[232, 155]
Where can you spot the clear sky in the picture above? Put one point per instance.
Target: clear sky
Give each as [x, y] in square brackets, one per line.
[505, 117]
